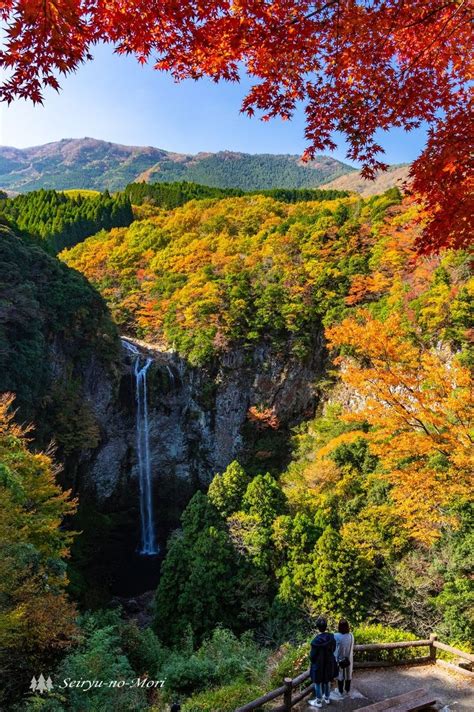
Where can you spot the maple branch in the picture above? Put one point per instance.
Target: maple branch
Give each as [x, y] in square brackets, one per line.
[378, 101]
[428, 15]
[394, 401]
[389, 33]
[456, 27]
[310, 15]
[416, 59]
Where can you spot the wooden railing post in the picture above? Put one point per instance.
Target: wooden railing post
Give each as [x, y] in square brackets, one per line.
[288, 694]
[433, 637]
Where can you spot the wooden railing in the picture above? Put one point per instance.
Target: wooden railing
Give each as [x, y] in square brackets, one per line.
[292, 694]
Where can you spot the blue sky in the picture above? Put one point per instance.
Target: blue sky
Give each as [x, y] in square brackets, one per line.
[115, 99]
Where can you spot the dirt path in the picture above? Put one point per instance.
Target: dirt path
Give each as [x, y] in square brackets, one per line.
[454, 693]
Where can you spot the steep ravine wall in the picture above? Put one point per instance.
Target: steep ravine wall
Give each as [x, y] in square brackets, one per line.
[197, 415]
[198, 424]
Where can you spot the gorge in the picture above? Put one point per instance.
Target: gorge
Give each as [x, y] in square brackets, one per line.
[140, 427]
[168, 427]
[79, 385]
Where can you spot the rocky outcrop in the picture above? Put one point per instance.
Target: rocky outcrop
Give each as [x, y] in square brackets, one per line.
[197, 416]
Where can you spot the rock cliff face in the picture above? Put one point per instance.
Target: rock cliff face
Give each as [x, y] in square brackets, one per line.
[198, 423]
[198, 420]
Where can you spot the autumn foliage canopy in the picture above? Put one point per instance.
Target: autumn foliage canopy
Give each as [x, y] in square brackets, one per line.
[357, 67]
[419, 402]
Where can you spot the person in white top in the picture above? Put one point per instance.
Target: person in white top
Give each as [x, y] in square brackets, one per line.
[344, 655]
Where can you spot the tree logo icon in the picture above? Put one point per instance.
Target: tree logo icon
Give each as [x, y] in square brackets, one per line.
[41, 685]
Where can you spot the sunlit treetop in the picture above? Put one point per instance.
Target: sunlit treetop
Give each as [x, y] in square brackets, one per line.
[356, 66]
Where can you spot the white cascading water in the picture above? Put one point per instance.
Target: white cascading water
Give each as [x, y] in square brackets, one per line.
[171, 375]
[148, 546]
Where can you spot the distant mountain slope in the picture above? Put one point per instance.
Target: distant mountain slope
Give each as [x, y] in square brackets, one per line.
[74, 163]
[92, 164]
[228, 169]
[394, 176]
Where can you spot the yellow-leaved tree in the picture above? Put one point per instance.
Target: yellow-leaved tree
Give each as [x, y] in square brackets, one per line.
[418, 403]
[36, 618]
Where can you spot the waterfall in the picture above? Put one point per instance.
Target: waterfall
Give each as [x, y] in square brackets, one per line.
[171, 375]
[148, 545]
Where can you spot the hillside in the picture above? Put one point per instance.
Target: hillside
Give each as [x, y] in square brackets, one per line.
[57, 220]
[173, 195]
[216, 272]
[228, 169]
[50, 315]
[308, 413]
[394, 176]
[236, 270]
[92, 164]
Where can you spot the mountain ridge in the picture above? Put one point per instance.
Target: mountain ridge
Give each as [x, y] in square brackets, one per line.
[395, 175]
[91, 163]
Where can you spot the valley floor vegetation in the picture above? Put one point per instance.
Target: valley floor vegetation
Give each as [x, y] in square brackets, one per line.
[371, 520]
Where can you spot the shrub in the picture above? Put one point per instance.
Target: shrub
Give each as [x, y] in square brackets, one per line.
[221, 659]
[51, 703]
[224, 699]
[101, 657]
[232, 656]
[185, 675]
[372, 633]
[143, 649]
[291, 660]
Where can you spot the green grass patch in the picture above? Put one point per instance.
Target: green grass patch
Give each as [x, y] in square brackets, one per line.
[84, 192]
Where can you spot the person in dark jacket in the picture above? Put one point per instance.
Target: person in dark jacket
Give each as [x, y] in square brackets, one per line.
[323, 663]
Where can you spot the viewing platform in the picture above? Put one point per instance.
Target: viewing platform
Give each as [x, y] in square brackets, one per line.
[427, 681]
[452, 691]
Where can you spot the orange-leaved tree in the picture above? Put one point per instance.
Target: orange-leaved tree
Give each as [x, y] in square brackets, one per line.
[37, 620]
[418, 403]
[357, 66]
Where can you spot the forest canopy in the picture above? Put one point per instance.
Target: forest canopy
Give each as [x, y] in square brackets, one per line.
[213, 275]
[370, 519]
[43, 303]
[58, 220]
[216, 272]
[173, 195]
